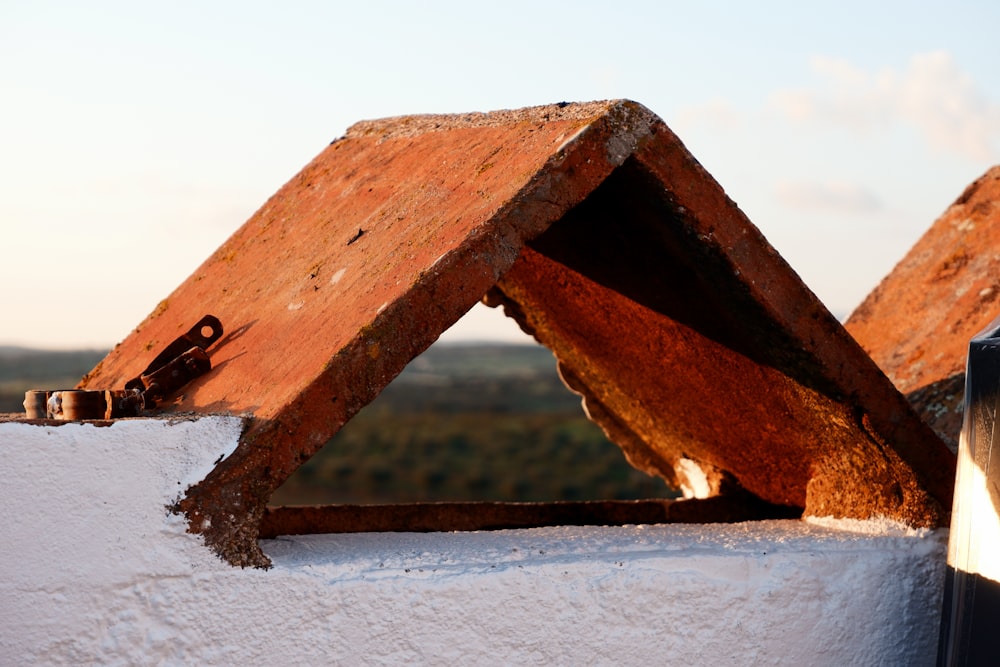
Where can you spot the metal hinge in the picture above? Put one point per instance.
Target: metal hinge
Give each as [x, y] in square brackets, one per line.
[178, 364]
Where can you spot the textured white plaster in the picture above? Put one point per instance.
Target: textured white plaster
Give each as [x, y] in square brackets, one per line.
[881, 525]
[97, 572]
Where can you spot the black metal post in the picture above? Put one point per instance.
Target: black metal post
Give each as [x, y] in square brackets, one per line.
[970, 621]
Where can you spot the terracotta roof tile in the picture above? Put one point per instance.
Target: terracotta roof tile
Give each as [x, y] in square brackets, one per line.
[693, 343]
[917, 324]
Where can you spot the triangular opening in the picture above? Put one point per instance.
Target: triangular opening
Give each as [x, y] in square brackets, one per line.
[470, 421]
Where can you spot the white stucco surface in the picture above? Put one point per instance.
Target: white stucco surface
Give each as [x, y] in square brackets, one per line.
[96, 571]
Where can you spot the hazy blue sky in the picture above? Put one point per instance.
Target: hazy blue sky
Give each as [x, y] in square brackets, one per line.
[136, 136]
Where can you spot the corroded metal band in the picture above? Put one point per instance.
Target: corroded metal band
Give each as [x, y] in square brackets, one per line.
[76, 404]
[35, 402]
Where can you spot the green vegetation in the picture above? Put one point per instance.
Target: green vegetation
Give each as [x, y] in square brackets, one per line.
[470, 422]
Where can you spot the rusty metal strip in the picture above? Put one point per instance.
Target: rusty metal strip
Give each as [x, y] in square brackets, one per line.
[466, 516]
[180, 362]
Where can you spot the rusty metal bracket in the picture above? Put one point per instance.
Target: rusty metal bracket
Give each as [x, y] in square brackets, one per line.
[179, 363]
[195, 338]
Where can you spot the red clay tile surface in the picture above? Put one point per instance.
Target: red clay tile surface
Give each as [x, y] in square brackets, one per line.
[918, 322]
[694, 345]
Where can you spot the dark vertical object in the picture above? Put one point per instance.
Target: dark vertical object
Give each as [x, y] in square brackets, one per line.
[970, 622]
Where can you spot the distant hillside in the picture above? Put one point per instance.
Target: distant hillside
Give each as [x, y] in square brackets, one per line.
[23, 368]
[471, 422]
[461, 422]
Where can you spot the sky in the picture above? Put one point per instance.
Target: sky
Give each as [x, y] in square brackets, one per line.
[135, 137]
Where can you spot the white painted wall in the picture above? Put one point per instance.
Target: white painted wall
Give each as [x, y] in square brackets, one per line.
[96, 571]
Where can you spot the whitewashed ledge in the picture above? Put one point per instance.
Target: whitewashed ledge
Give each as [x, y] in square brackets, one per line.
[97, 571]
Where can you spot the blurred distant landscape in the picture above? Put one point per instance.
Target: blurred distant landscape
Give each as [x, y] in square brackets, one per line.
[23, 368]
[461, 422]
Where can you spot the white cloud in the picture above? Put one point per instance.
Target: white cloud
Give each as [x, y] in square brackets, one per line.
[836, 196]
[718, 113]
[933, 95]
